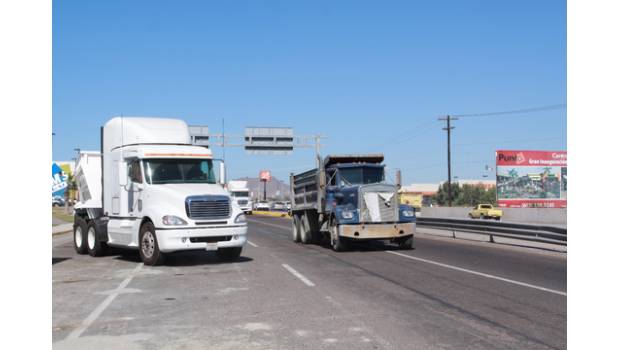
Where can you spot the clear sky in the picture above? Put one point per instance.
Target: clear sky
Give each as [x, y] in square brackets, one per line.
[370, 76]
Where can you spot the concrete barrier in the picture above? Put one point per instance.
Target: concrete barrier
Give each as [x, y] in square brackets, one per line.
[548, 216]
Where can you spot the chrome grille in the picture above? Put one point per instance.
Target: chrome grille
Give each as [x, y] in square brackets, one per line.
[388, 212]
[208, 207]
[242, 201]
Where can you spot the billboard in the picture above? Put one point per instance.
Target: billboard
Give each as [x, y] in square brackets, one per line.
[59, 181]
[531, 179]
[265, 175]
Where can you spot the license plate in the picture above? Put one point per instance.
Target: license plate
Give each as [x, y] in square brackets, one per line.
[211, 246]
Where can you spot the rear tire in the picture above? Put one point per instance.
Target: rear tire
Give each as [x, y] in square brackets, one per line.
[95, 247]
[79, 235]
[229, 254]
[148, 246]
[296, 228]
[306, 230]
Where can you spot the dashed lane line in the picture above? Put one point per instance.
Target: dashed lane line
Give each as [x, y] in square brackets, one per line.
[299, 275]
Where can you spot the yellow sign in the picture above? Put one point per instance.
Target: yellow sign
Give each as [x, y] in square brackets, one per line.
[414, 200]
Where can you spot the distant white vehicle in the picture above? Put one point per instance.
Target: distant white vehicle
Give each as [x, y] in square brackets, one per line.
[240, 193]
[149, 189]
[279, 206]
[262, 206]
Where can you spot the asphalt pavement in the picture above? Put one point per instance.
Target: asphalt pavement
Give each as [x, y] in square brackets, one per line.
[444, 294]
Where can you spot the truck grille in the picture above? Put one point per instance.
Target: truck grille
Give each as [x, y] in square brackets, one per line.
[374, 207]
[207, 207]
[242, 202]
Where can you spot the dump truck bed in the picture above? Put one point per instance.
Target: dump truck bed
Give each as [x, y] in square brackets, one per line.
[88, 179]
[305, 190]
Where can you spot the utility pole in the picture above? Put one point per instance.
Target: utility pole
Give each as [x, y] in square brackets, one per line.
[448, 128]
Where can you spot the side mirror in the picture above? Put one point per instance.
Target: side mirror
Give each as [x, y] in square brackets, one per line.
[122, 173]
[222, 173]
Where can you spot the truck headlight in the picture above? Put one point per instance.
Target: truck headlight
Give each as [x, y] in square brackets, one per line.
[347, 214]
[173, 220]
[408, 213]
[240, 219]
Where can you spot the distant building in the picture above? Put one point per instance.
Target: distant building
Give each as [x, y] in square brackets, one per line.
[419, 195]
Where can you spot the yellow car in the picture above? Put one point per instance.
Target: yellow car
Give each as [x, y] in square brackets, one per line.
[485, 211]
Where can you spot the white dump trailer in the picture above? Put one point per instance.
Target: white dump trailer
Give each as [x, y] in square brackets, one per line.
[150, 189]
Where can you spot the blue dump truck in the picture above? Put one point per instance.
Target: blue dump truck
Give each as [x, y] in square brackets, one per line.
[346, 198]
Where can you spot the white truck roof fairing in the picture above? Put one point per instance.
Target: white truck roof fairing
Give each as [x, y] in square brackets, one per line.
[166, 151]
[237, 185]
[123, 131]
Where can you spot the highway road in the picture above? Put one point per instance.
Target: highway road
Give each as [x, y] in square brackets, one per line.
[444, 294]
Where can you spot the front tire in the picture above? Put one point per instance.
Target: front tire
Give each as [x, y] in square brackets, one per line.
[95, 247]
[79, 235]
[148, 246]
[406, 244]
[229, 254]
[339, 244]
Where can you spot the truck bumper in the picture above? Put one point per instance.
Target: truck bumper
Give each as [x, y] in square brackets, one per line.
[377, 231]
[170, 240]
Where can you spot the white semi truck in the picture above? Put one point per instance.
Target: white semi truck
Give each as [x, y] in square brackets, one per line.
[150, 189]
[241, 193]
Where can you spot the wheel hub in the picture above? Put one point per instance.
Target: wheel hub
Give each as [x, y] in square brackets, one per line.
[78, 237]
[148, 244]
[91, 238]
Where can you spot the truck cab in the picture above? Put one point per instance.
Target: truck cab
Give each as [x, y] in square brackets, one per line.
[357, 203]
[150, 189]
[240, 193]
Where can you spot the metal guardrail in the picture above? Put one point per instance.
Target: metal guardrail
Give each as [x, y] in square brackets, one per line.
[527, 232]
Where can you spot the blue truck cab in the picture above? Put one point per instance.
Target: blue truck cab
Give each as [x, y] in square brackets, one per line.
[347, 198]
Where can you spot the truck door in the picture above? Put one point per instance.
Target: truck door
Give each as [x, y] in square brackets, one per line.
[134, 191]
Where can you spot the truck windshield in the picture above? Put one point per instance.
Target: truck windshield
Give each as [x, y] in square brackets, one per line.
[240, 194]
[361, 175]
[169, 171]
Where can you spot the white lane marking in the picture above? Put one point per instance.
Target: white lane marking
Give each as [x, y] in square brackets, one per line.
[298, 275]
[252, 244]
[480, 274]
[101, 307]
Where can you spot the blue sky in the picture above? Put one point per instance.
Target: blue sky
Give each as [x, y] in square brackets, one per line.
[370, 76]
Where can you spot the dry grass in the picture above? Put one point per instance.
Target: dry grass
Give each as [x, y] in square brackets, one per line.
[59, 213]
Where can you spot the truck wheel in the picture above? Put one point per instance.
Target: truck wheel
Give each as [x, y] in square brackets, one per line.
[338, 243]
[229, 254]
[306, 231]
[296, 228]
[79, 235]
[95, 247]
[406, 244]
[149, 248]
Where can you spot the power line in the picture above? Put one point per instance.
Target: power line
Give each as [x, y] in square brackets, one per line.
[514, 111]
